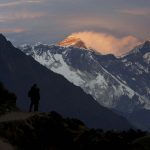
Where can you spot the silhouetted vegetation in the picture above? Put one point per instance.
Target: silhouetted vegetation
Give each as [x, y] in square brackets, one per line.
[98, 139]
[7, 100]
[44, 131]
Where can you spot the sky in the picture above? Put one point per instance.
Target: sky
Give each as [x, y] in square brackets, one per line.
[50, 21]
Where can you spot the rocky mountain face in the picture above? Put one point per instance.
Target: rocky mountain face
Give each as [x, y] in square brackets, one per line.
[137, 62]
[19, 72]
[119, 83]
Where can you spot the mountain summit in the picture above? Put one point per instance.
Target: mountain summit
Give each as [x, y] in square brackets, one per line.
[72, 41]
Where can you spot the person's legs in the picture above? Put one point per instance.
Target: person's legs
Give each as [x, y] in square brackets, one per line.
[36, 106]
[31, 106]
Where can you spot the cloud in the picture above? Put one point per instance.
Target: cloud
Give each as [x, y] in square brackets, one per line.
[107, 44]
[11, 30]
[25, 15]
[115, 24]
[137, 11]
[16, 3]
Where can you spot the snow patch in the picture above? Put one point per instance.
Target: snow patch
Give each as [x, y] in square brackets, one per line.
[147, 58]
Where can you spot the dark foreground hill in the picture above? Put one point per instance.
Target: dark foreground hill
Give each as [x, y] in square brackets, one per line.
[50, 131]
[18, 72]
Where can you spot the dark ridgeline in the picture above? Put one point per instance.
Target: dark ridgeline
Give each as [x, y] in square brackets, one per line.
[18, 72]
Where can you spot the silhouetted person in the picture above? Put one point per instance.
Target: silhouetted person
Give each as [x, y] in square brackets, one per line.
[34, 95]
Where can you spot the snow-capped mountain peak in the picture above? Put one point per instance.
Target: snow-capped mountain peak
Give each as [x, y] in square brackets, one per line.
[142, 48]
[72, 41]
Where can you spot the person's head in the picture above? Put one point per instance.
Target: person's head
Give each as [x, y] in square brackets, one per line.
[34, 85]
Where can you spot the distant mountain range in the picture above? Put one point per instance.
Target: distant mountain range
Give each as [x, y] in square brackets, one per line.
[122, 84]
[19, 72]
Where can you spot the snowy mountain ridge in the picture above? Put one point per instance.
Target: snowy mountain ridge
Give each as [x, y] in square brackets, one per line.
[98, 74]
